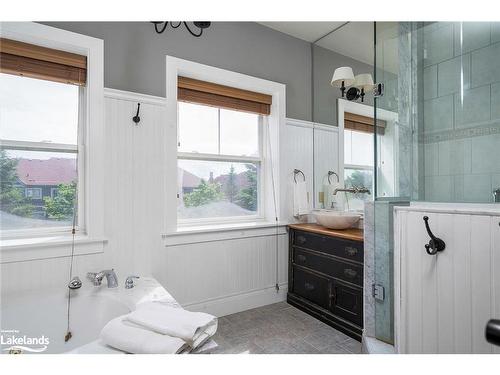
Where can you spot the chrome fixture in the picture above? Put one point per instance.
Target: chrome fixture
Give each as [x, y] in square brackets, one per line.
[356, 86]
[129, 281]
[332, 173]
[96, 278]
[160, 26]
[496, 195]
[354, 190]
[75, 283]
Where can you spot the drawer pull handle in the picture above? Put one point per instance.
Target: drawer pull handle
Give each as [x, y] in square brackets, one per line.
[351, 251]
[301, 258]
[301, 239]
[350, 272]
[308, 287]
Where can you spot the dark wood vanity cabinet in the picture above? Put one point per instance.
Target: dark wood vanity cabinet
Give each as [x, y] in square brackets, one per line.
[325, 278]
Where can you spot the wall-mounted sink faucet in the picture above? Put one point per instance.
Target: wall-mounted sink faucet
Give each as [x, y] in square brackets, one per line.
[354, 190]
[96, 278]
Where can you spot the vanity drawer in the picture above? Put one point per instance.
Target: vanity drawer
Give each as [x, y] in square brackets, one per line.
[333, 267]
[351, 250]
[313, 287]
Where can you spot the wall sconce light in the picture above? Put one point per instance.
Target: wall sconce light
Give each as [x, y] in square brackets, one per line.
[358, 86]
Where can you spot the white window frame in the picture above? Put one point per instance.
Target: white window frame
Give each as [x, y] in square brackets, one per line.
[90, 137]
[32, 190]
[259, 160]
[270, 152]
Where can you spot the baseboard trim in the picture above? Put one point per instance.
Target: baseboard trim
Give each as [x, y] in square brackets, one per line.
[240, 302]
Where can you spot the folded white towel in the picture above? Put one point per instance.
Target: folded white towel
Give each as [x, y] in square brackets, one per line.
[300, 199]
[131, 338]
[192, 327]
[333, 201]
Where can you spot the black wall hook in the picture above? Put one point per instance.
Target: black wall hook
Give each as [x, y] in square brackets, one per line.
[435, 244]
[136, 118]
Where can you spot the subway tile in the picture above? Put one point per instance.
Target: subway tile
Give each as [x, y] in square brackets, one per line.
[439, 188]
[473, 188]
[495, 32]
[486, 154]
[470, 36]
[474, 109]
[430, 82]
[453, 75]
[485, 66]
[495, 101]
[438, 45]
[461, 156]
[438, 114]
[431, 158]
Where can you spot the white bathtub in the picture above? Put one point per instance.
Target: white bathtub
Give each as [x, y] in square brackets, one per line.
[43, 315]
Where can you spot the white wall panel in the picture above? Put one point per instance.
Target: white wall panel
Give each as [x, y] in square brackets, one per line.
[446, 300]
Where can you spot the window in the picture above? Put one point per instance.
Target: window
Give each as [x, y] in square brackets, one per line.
[358, 165]
[219, 163]
[38, 153]
[34, 193]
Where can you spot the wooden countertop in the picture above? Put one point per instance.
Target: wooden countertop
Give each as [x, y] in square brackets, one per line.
[353, 234]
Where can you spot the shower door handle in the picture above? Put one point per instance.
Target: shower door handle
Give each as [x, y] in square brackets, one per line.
[435, 244]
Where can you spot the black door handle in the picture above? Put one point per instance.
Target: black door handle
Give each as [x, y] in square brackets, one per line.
[435, 244]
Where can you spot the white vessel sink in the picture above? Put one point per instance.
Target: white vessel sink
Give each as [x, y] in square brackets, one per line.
[336, 219]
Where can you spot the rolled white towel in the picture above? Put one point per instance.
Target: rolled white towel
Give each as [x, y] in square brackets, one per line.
[192, 327]
[131, 338]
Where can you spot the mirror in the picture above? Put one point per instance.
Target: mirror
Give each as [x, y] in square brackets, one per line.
[343, 134]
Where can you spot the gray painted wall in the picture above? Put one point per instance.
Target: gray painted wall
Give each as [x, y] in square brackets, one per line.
[325, 96]
[134, 59]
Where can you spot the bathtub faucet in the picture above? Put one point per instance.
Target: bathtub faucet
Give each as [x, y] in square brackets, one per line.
[96, 278]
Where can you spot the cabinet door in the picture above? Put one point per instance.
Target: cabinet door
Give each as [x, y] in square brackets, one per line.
[311, 286]
[347, 302]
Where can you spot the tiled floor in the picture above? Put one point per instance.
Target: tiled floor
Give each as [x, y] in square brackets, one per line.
[280, 329]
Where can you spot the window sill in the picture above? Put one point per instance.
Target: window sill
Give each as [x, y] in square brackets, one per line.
[221, 232]
[23, 249]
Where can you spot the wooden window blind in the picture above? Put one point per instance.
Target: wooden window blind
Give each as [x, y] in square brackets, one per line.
[212, 94]
[34, 61]
[363, 123]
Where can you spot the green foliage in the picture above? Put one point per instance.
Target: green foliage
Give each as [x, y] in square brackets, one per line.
[204, 193]
[61, 206]
[230, 187]
[12, 199]
[247, 197]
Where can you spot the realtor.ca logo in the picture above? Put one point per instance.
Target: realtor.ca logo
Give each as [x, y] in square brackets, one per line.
[13, 342]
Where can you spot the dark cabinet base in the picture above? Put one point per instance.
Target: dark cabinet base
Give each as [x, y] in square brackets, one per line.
[325, 279]
[325, 316]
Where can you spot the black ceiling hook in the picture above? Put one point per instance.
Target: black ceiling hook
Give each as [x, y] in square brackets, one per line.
[136, 118]
[435, 244]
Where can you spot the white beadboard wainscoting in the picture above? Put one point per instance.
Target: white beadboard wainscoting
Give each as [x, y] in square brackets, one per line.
[446, 300]
[226, 276]
[222, 275]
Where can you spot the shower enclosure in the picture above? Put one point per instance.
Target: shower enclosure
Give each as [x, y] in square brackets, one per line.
[442, 79]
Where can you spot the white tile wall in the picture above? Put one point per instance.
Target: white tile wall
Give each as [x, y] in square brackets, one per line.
[462, 93]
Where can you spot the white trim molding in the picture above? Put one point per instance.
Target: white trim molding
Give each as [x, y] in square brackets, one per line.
[201, 234]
